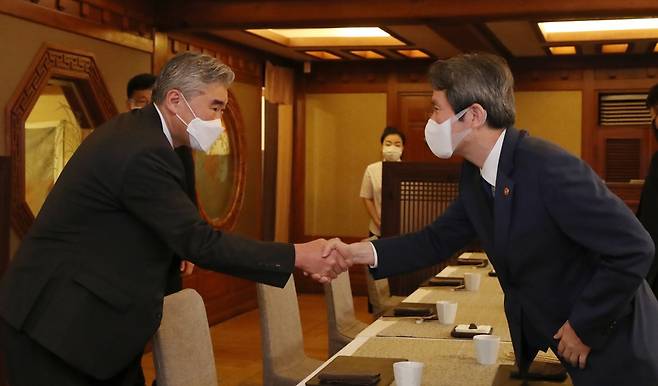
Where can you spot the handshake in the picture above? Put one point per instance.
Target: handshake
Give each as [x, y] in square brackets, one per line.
[324, 259]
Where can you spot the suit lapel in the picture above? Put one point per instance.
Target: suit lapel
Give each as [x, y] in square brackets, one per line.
[475, 201]
[505, 191]
[184, 153]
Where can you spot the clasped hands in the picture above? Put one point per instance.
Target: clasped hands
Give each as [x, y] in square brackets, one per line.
[324, 260]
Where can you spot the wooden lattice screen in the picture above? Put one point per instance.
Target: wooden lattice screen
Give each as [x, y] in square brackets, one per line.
[413, 195]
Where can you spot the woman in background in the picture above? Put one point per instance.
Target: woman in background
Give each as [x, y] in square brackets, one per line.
[392, 141]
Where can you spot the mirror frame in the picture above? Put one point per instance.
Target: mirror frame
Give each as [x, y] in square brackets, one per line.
[235, 128]
[76, 66]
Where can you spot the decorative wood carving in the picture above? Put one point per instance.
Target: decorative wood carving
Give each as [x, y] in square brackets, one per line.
[51, 61]
[207, 14]
[128, 23]
[247, 67]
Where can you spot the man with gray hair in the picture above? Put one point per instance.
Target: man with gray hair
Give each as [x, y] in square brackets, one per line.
[570, 255]
[84, 292]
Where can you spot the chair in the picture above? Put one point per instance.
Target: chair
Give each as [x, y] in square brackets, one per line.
[379, 295]
[343, 324]
[182, 347]
[282, 341]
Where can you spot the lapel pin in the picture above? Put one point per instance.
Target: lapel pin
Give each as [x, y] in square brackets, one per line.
[506, 191]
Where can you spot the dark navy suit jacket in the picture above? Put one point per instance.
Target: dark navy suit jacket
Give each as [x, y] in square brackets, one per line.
[647, 212]
[564, 248]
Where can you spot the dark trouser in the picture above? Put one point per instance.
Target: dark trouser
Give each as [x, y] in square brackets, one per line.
[29, 364]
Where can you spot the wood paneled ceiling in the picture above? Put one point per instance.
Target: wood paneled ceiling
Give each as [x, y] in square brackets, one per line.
[439, 28]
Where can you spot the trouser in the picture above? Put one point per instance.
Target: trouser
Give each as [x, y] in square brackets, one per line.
[27, 363]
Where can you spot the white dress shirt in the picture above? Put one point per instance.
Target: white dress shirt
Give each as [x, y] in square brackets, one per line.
[165, 129]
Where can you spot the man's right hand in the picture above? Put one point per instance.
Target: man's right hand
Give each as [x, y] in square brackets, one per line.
[319, 261]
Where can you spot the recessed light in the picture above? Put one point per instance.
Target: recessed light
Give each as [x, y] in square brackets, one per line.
[329, 37]
[592, 30]
[414, 54]
[562, 50]
[324, 55]
[368, 54]
[620, 48]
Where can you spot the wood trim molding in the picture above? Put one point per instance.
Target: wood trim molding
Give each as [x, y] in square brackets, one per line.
[205, 14]
[51, 61]
[248, 67]
[5, 194]
[125, 23]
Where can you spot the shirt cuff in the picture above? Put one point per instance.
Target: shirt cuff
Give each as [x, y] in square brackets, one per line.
[374, 252]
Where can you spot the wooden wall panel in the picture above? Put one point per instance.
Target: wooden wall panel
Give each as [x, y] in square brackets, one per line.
[5, 194]
[128, 23]
[247, 64]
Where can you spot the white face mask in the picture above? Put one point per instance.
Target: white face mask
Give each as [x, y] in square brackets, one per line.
[202, 133]
[440, 138]
[391, 153]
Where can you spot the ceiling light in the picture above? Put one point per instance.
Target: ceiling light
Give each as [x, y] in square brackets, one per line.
[325, 55]
[614, 48]
[591, 30]
[414, 54]
[368, 54]
[319, 37]
[563, 50]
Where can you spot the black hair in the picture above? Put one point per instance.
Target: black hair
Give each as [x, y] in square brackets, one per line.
[389, 130]
[140, 82]
[477, 78]
[652, 97]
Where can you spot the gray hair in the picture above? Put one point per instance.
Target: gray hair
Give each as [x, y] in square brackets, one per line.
[477, 78]
[190, 72]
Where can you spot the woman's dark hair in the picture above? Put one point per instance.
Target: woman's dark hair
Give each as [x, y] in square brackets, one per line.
[391, 130]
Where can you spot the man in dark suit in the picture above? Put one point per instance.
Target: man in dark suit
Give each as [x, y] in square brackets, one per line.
[570, 256]
[139, 91]
[84, 292]
[647, 211]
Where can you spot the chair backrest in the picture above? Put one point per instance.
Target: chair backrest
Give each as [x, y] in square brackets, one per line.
[340, 304]
[378, 290]
[182, 347]
[282, 340]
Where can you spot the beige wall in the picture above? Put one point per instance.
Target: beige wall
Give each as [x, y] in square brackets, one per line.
[342, 138]
[552, 115]
[249, 99]
[22, 39]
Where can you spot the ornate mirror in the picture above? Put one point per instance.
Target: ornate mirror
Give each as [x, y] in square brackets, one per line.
[220, 174]
[60, 100]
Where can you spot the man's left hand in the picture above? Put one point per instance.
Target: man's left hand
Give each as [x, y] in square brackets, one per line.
[186, 267]
[571, 348]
